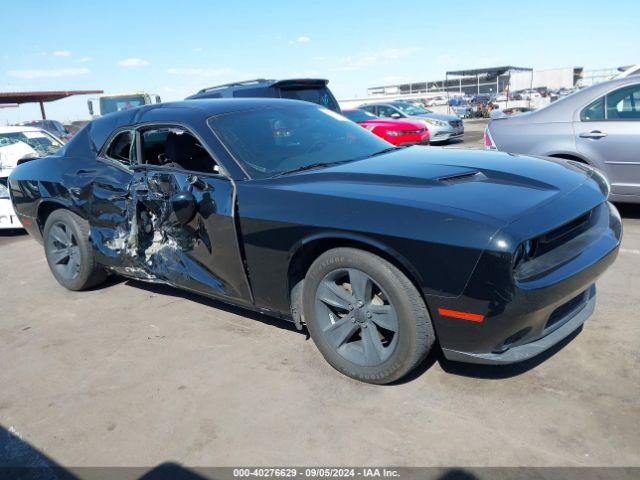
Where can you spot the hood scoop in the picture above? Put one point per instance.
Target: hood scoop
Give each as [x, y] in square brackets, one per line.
[463, 177]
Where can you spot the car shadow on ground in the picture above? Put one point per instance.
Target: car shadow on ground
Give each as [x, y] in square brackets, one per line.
[629, 210]
[168, 290]
[435, 356]
[13, 232]
[19, 459]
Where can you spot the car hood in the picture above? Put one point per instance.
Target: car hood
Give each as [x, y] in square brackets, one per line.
[487, 184]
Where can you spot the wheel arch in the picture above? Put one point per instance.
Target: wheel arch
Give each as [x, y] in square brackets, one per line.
[307, 250]
[47, 206]
[569, 156]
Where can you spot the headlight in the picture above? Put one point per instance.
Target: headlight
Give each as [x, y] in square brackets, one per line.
[433, 121]
[393, 133]
[4, 191]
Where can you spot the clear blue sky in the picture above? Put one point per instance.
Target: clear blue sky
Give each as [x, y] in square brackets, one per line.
[176, 47]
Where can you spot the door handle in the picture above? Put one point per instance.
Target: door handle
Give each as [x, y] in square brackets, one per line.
[593, 134]
[88, 171]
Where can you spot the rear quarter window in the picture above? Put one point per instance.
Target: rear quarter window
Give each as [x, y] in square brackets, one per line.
[593, 112]
[319, 96]
[255, 92]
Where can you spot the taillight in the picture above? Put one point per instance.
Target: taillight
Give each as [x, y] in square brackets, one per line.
[488, 141]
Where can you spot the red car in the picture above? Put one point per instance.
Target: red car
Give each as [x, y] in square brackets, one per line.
[396, 132]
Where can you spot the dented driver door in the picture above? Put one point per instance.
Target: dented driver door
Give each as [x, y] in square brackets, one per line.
[183, 231]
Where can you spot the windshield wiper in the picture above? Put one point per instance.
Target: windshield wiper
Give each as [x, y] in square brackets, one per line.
[311, 166]
[381, 152]
[386, 150]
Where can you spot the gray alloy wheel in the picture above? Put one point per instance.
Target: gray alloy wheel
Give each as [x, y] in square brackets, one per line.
[69, 252]
[356, 317]
[365, 316]
[62, 246]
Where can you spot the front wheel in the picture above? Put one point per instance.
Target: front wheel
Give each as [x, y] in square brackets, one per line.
[69, 252]
[365, 316]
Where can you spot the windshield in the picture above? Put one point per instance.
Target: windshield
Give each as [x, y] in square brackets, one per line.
[270, 141]
[358, 115]
[410, 109]
[124, 102]
[43, 143]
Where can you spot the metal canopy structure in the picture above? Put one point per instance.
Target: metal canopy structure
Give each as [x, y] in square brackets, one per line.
[17, 98]
[488, 71]
[498, 76]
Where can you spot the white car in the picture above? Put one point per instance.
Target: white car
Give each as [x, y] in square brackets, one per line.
[17, 143]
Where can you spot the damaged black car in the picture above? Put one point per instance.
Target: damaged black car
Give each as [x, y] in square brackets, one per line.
[289, 209]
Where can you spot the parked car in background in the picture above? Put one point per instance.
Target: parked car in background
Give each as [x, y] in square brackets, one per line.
[19, 144]
[442, 127]
[497, 113]
[631, 71]
[314, 90]
[289, 209]
[396, 132]
[598, 126]
[110, 103]
[54, 127]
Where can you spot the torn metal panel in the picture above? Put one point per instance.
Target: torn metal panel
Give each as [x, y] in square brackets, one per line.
[147, 240]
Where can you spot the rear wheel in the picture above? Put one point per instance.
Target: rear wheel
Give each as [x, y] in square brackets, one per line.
[366, 317]
[69, 253]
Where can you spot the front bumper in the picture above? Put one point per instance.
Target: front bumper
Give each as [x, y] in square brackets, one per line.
[443, 134]
[525, 315]
[564, 327]
[8, 217]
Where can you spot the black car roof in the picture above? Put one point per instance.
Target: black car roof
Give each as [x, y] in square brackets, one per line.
[184, 111]
[263, 83]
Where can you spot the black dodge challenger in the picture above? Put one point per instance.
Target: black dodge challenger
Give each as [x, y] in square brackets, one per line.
[290, 209]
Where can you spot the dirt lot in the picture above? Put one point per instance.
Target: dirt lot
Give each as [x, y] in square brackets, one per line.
[136, 374]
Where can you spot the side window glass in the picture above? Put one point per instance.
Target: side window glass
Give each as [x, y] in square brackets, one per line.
[593, 112]
[624, 104]
[120, 148]
[384, 111]
[175, 148]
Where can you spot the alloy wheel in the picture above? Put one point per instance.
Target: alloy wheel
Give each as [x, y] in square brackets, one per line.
[356, 317]
[64, 253]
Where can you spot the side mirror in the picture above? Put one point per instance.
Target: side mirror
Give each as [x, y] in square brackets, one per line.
[183, 206]
[396, 116]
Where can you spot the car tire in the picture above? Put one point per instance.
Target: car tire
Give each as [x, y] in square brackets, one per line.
[376, 329]
[69, 252]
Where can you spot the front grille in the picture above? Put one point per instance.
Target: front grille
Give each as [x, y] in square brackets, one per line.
[565, 311]
[412, 132]
[455, 123]
[563, 233]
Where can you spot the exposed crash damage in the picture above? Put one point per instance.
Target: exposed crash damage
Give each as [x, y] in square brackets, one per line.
[289, 209]
[157, 232]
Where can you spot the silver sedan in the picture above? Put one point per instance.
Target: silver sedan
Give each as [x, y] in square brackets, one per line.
[598, 126]
[442, 127]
